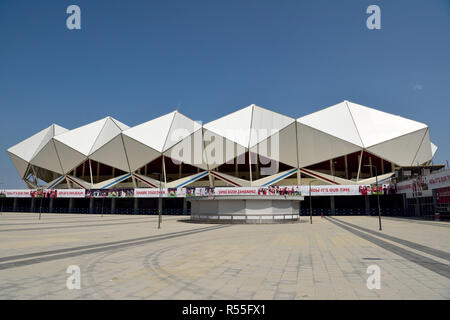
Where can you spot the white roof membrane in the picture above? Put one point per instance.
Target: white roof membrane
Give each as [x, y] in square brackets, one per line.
[376, 126]
[152, 133]
[20, 164]
[315, 146]
[47, 158]
[138, 154]
[400, 150]
[336, 121]
[112, 154]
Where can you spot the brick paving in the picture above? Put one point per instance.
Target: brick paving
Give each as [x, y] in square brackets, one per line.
[127, 257]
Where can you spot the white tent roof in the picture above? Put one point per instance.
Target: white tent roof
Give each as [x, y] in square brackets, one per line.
[347, 127]
[249, 126]
[434, 148]
[162, 133]
[24, 152]
[76, 145]
[90, 137]
[329, 133]
[28, 148]
[147, 141]
[360, 125]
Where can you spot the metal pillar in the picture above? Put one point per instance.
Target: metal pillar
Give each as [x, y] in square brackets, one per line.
[71, 204]
[113, 205]
[346, 167]
[332, 206]
[184, 206]
[33, 204]
[91, 205]
[50, 205]
[136, 205]
[367, 204]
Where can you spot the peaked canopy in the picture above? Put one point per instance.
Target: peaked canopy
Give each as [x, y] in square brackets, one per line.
[344, 128]
[348, 127]
[247, 129]
[250, 125]
[27, 150]
[76, 145]
[147, 141]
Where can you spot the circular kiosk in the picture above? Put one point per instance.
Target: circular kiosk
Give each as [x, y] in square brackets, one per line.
[245, 209]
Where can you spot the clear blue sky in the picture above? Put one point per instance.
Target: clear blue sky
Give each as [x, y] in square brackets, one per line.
[136, 60]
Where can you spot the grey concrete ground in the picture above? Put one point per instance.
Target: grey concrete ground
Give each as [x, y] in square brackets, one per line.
[127, 257]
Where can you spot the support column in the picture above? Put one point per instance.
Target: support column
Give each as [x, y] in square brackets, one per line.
[417, 207]
[359, 165]
[179, 171]
[90, 172]
[70, 205]
[33, 204]
[164, 170]
[299, 177]
[136, 205]
[250, 165]
[184, 206]
[332, 206]
[367, 204]
[382, 166]
[211, 180]
[50, 205]
[257, 167]
[15, 204]
[346, 167]
[370, 164]
[91, 205]
[113, 205]
[160, 205]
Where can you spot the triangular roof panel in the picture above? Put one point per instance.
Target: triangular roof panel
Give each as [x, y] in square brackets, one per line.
[249, 126]
[336, 121]
[152, 133]
[89, 138]
[234, 126]
[28, 148]
[180, 128]
[376, 126]
[20, 164]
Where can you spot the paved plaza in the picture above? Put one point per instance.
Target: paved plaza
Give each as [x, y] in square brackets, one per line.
[127, 257]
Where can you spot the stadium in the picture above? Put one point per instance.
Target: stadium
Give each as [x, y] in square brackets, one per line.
[344, 144]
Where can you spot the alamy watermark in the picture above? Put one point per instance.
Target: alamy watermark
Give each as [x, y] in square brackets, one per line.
[74, 280]
[374, 280]
[74, 20]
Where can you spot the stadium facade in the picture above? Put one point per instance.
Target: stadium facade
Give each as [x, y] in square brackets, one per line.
[346, 144]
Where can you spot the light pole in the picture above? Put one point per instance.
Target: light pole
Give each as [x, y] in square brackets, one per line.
[40, 204]
[310, 201]
[1, 208]
[159, 200]
[378, 195]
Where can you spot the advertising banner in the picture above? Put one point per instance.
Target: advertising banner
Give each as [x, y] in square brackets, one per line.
[109, 193]
[155, 192]
[70, 193]
[316, 190]
[418, 185]
[19, 193]
[443, 196]
[149, 192]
